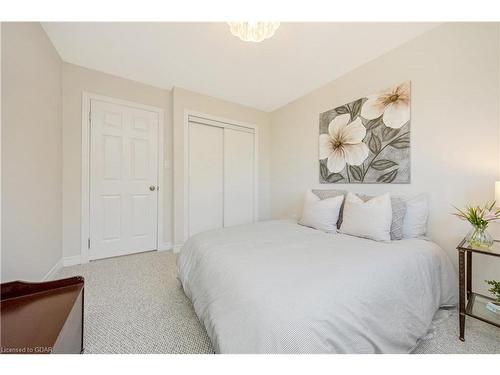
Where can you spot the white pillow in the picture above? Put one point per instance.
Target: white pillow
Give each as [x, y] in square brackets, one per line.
[321, 214]
[371, 219]
[415, 221]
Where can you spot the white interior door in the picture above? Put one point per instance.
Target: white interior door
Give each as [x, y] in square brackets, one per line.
[239, 178]
[123, 180]
[206, 173]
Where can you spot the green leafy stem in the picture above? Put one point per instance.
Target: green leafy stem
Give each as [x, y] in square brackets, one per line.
[391, 175]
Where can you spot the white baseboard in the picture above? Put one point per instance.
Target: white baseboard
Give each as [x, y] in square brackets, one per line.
[72, 261]
[165, 246]
[53, 271]
[77, 259]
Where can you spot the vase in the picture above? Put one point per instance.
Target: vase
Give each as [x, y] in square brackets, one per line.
[479, 237]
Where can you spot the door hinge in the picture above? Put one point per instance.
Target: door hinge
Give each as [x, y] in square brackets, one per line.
[88, 243]
[90, 116]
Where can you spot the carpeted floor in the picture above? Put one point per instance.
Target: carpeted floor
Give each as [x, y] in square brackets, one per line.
[135, 304]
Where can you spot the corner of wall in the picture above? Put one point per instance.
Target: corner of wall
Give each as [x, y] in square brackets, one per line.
[32, 70]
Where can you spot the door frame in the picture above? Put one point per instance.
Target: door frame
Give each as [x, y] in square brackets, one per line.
[223, 123]
[87, 97]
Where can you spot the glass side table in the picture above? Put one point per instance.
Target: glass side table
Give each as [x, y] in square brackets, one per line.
[476, 303]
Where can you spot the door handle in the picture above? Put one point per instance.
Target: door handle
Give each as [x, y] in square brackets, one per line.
[152, 188]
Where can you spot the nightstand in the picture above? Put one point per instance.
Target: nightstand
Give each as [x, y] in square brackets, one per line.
[476, 303]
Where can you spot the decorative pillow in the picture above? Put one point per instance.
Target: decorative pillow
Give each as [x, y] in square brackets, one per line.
[321, 214]
[415, 221]
[371, 219]
[398, 209]
[327, 193]
[398, 214]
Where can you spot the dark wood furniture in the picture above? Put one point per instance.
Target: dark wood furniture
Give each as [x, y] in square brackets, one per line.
[476, 303]
[45, 317]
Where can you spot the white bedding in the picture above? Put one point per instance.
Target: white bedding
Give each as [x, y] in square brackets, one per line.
[278, 287]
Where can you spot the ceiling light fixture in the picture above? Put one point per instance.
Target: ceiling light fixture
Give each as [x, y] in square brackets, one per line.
[253, 31]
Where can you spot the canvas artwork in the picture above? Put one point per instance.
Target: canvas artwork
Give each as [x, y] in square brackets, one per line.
[367, 140]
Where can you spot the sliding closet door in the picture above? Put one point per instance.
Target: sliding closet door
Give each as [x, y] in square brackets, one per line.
[239, 179]
[206, 176]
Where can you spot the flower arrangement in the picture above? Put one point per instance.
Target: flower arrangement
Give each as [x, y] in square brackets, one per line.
[494, 306]
[495, 289]
[479, 218]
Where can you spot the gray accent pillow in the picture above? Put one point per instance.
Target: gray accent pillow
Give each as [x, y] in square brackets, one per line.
[398, 209]
[398, 217]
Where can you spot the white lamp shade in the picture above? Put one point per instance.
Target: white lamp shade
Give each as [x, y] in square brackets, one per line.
[497, 193]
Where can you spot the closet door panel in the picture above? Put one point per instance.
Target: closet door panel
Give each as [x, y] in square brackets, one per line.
[206, 176]
[239, 186]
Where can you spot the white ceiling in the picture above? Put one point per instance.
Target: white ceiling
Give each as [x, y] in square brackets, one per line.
[206, 58]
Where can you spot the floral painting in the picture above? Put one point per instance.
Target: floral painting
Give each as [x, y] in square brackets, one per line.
[367, 140]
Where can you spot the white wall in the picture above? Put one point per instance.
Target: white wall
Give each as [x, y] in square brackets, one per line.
[184, 100]
[31, 153]
[0, 149]
[454, 70]
[76, 80]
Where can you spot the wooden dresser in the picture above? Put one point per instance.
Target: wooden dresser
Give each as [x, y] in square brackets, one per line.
[42, 318]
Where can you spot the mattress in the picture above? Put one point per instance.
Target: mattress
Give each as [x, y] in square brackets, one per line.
[278, 287]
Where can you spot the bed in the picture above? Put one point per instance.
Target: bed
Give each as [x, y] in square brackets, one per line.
[279, 287]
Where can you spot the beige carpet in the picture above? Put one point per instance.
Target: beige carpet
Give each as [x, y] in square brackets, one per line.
[135, 304]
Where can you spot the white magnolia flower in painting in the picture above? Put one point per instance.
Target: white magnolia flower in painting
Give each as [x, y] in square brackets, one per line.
[393, 104]
[343, 143]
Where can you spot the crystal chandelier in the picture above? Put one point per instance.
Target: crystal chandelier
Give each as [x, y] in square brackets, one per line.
[253, 31]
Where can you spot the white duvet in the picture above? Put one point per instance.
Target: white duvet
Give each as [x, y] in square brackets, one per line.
[278, 287]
